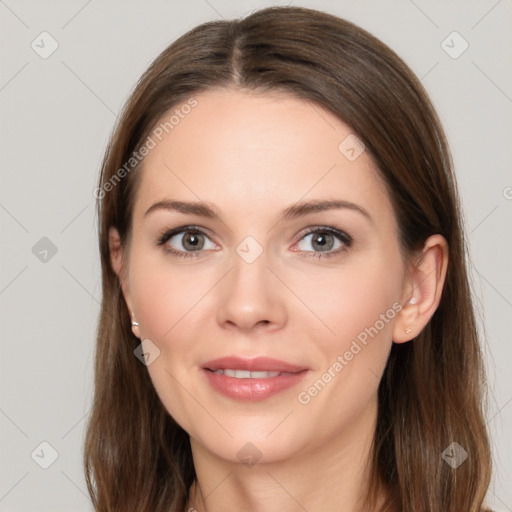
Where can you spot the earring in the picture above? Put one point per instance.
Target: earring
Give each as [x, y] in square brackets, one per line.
[408, 330]
[413, 300]
[135, 327]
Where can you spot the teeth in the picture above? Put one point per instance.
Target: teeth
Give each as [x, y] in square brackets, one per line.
[246, 374]
[263, 375]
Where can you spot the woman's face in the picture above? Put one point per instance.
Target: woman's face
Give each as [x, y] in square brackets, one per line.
[305, 296]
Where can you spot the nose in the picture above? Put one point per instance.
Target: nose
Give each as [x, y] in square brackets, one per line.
[251, 297]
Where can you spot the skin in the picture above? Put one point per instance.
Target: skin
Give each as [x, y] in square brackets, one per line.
[251, 156]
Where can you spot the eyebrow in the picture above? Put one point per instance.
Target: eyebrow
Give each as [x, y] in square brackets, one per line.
[296, 210]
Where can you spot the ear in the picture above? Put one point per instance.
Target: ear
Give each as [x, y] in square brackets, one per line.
[119, 266]
[422, 290]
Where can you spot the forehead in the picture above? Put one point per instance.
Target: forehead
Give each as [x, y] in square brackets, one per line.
[250, 149]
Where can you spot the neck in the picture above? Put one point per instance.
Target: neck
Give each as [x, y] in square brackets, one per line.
[330, 476]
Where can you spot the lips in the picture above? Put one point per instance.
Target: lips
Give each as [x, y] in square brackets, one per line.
[252, 379]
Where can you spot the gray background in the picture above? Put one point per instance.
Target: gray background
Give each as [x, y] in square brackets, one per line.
[56, 116]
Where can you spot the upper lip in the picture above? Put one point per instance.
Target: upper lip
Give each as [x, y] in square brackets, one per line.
[255, 364]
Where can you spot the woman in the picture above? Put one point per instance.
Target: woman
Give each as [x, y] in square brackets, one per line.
[286, 320]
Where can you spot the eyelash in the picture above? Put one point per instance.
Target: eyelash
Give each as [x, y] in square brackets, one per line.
[343, 237]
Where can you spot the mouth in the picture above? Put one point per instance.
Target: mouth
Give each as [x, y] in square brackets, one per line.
[253, 379]
[246, 374]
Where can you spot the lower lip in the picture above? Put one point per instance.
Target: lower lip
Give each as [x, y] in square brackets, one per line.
[252, 390]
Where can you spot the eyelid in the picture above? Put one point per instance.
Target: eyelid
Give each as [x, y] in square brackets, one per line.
[341, 234]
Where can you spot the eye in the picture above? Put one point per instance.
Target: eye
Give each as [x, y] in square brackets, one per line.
[324, 241]
[190, 241]
[185, 241]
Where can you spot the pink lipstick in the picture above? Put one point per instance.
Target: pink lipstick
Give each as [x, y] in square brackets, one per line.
[252, 379]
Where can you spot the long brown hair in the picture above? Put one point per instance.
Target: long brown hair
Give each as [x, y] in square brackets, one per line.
[431, 394]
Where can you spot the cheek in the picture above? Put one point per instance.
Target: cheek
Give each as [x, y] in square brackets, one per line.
[360, 309]
[348, 301]
[164, 295]
[167, 300]
[357, 305]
